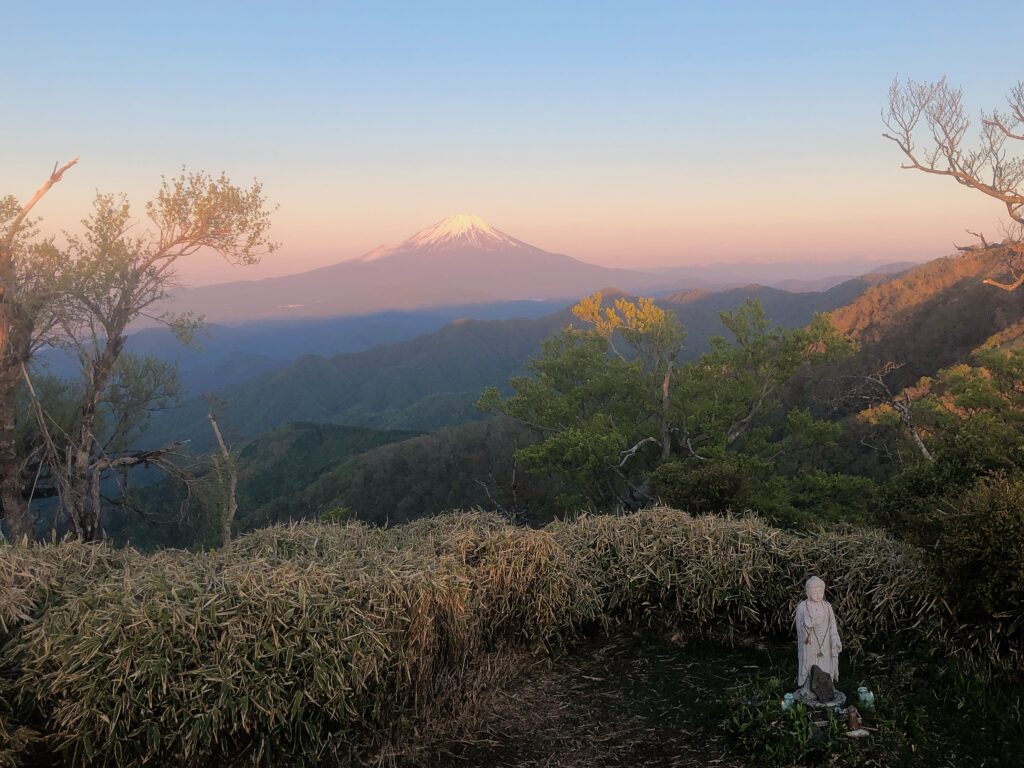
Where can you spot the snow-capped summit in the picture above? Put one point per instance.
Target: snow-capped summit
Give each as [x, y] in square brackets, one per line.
[458, 231]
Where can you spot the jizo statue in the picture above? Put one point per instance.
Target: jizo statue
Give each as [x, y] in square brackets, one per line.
[817, 636]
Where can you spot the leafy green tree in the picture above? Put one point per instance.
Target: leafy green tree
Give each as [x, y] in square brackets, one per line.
[655, 338]
[598, 396]
[972, 418]
[594, 411]
[84, 298]
[721, 396]
[120, 275]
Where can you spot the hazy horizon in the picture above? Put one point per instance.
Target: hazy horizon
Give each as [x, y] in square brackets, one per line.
[767, 268]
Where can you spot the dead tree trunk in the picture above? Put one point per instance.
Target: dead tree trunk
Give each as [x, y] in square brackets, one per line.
[230, 504]
[872, 389]
[84, 506]
[666, 427]
[902, 406]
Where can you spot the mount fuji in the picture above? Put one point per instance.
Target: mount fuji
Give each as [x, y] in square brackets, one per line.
[459, 261]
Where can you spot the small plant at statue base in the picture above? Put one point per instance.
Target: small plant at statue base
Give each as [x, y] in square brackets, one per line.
[756, 720]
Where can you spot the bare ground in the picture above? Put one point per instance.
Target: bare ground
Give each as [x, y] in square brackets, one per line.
[628, 701]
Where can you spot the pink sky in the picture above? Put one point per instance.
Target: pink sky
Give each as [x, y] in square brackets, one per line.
[876, 213]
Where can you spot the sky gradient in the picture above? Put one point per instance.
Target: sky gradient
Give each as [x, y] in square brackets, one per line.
[634, 134]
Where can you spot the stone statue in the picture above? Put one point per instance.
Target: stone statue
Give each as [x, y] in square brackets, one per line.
[818, 644]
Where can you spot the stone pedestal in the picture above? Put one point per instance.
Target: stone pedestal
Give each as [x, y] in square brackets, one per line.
[838, 700]
[819, 691]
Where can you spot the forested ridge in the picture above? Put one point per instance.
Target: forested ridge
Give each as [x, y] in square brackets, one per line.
[917, 322]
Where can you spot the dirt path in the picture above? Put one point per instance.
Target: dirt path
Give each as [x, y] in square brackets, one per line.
[630, 701]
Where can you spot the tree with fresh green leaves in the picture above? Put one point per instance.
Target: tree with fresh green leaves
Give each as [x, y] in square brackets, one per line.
[84, 298]
[121, 274]
[721, 396]
[971, 418]
[599, 395]
[594, 412]
[655, 339]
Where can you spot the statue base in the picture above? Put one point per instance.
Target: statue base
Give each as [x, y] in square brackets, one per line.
[807, 696]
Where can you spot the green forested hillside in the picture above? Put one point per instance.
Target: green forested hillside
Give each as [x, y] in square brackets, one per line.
[421, 384]
[470, 465]
[927, 317]
[285, 461]
[432, 381]
[273, 473]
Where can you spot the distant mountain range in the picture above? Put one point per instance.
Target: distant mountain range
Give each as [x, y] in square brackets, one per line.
[463, 260]
[223, 355]
[798, 285]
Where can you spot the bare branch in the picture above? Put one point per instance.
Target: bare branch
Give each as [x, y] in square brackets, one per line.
[15, 225]
[936, 112]
[631, 452]
[873, 389]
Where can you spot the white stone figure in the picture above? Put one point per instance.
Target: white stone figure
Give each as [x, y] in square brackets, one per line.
[817, 636]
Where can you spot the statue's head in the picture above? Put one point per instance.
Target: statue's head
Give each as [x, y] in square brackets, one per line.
[815, 589]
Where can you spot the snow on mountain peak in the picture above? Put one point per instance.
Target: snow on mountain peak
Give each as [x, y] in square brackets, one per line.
[458, 231]
[458, 224]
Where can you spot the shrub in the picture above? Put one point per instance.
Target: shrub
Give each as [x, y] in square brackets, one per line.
[664, 567]
[326, 644]
[800, 501]
[337, 515]
[882, 589]
[35, 578]
[14, 740]
[980, 550]
[714, 487]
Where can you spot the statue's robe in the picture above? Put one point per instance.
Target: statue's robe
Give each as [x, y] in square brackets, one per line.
[822, 628]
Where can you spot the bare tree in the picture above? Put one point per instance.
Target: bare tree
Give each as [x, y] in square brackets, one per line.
[121, 275]
[27, 271]
[872, 389]
[929, 123]
[227, 478]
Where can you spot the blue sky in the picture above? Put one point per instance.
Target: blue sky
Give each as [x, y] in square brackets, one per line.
[639, 133]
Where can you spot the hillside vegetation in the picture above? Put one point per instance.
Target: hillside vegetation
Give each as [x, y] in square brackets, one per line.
[928, 317]
[433, 380]
[274, 472]
[315, 644]
[923, 318]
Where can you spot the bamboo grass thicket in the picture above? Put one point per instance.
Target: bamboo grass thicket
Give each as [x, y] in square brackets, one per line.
[342, 644]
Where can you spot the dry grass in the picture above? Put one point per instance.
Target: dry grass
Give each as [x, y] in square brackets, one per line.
[314, 644]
